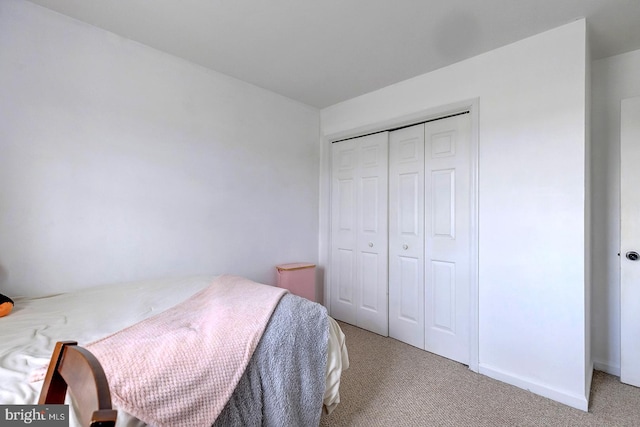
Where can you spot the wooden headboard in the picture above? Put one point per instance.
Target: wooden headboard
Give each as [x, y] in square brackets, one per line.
[75, 368]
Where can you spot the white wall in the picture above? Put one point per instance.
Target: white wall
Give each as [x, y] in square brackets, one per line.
[532, 142]
[119, 162]
[613, 79]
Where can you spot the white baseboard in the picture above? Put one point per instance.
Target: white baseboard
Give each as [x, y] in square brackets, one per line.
[606, 368]
[575, 401]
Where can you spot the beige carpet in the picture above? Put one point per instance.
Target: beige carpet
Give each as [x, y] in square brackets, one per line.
[391, 383]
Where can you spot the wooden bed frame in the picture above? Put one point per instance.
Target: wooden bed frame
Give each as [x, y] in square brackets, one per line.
[75, 368]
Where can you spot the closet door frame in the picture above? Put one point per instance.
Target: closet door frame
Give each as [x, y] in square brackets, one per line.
[472, 106]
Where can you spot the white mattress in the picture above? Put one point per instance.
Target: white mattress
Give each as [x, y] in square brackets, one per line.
[29, 333]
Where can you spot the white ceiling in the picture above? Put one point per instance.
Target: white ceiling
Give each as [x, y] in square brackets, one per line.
[325, 51]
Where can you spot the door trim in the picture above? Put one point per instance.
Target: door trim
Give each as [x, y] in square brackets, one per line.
[324, 248]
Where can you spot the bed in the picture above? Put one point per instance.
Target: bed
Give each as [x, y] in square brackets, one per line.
[292, 372]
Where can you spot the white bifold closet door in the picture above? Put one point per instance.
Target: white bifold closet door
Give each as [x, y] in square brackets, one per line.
[406, 235]
[429, 236]
[359, 233]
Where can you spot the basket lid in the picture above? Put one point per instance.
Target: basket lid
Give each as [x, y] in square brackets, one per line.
[295, 266]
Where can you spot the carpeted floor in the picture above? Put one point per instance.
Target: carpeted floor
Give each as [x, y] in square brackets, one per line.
[391, 383]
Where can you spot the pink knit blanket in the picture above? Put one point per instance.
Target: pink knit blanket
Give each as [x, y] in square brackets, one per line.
[180, 367]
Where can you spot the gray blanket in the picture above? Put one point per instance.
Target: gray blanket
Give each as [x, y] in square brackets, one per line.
[284, 382]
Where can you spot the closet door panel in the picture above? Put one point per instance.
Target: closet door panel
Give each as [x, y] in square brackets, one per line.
[359, 272]
[344, 231]
[407, 292]
[443, 189]
[406, 235]
[345, 275]
[443, 286]
[372, 310]
[447, 236]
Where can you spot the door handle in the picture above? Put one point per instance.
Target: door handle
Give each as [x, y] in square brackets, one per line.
[632, 255]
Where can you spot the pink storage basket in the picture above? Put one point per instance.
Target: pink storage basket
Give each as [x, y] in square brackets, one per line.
[299, 278]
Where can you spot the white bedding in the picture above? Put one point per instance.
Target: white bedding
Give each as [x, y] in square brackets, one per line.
[29, 333]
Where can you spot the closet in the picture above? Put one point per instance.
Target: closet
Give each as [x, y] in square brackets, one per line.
[400, 230]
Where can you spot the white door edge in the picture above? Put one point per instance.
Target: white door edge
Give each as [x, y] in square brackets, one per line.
[629, 242]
